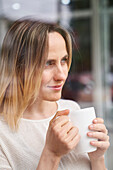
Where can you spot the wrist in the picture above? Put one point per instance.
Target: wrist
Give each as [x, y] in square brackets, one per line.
[51, 154]
[93, 159]
[48, 160]
[98, 164]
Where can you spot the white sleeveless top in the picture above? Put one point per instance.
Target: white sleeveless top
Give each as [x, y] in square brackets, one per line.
[21, 150]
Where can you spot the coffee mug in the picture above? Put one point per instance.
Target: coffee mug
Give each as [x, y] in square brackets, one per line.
[82, 119]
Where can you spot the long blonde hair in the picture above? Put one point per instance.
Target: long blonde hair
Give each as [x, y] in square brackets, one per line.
[23, 56]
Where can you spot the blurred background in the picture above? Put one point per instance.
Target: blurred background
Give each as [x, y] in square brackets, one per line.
[90, 81]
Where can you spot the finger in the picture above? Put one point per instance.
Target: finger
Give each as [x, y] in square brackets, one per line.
[60, 122]
[60, 113]
[67, 127]
[74, 141]
[98, 135]
[100, 144]
[98, 127]
[71, 134]
[64, 131]
[98, 120]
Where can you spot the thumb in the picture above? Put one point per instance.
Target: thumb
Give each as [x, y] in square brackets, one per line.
[60, 113]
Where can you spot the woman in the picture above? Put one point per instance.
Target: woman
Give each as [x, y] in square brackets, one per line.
[35, 131]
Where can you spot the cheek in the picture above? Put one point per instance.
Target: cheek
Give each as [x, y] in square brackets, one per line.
[66, 72]
[46, 76]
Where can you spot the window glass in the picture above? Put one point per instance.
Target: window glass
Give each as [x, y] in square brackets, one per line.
[81, 30]
[106, 3]
[79, 85]
[76, 4]
[111, 42]
[111, 53]
[110, 3]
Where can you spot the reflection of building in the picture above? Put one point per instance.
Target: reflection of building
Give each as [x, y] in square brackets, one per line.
[91, 77]
[92, 22]
[87, 20]
[79, 87]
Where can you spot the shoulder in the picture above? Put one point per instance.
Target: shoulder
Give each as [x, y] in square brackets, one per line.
[68, 104]
[4, 128]
[2, 121]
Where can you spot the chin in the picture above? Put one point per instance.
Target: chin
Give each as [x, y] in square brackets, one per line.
[53, 98]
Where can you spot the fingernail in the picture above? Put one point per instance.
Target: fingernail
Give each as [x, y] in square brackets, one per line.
[92, 143]
[90, 134]
[91, 126]
[95, 120]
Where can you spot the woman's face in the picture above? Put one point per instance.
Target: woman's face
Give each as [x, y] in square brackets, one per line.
[56, 69]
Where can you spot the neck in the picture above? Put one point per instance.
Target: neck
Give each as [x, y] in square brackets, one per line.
[40, 110]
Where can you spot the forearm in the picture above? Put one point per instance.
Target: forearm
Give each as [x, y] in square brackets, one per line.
[48, 161]
[98, 164]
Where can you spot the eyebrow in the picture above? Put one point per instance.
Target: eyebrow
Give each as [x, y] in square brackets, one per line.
[66, 56]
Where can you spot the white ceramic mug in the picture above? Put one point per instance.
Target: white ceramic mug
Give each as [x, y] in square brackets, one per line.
[82, 119]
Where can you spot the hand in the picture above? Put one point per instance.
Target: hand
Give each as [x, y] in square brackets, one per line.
[99, 132]
[61, 136]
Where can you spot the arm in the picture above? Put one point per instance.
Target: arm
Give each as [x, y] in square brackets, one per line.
[48, 161]
[99, 132]
[98, 164]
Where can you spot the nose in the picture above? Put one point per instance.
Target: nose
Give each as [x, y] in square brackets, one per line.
[60, 73]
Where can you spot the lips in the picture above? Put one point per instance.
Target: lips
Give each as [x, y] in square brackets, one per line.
[56, 87]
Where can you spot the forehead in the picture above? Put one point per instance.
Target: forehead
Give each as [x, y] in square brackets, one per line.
[57, 43]
[56, 38]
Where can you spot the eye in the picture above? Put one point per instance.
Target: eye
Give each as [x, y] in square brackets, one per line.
[64, 60]
[49, 63]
